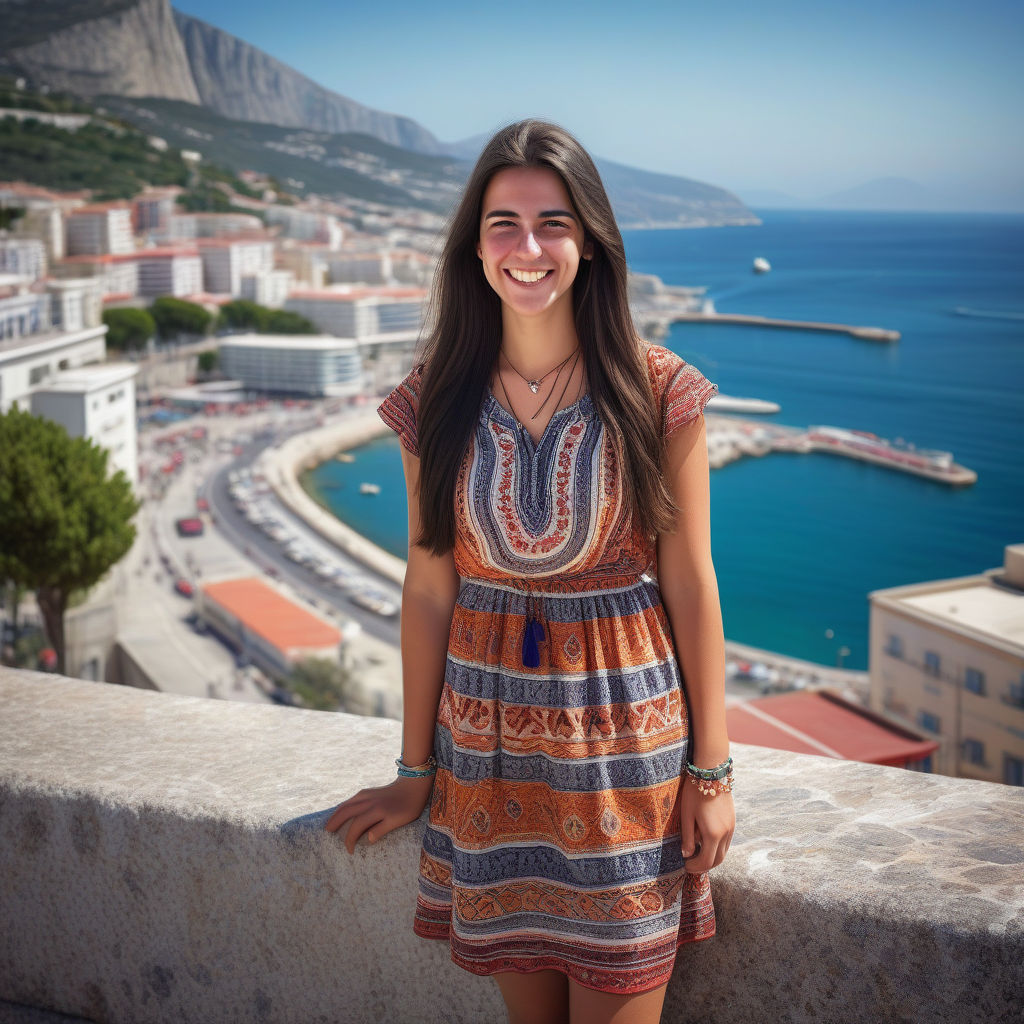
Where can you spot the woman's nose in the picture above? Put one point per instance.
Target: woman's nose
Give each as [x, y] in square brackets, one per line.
[528, 245]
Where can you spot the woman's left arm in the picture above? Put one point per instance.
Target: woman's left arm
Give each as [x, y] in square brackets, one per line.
[689, 589]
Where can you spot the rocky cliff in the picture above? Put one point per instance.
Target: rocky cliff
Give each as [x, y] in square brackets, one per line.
[133, 51]
[244, 83]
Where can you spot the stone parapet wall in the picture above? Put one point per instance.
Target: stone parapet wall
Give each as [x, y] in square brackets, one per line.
[163, 859]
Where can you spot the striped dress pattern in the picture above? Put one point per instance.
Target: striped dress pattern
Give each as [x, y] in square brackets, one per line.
[553, 839]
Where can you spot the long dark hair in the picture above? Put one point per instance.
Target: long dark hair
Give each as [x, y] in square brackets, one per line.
[464, 335]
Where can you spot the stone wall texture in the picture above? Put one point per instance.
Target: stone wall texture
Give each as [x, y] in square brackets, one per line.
[163, 858]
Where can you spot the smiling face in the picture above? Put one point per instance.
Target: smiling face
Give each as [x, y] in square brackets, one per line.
[531, 241]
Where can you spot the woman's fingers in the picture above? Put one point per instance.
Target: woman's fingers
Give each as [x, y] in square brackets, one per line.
[346, 809]
[359, 825]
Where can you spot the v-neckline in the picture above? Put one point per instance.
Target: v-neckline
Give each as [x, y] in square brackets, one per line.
[582, 404]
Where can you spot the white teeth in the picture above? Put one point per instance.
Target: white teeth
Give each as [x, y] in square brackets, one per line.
[528, 276]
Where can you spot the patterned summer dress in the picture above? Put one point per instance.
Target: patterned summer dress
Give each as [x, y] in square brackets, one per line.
[554, 837]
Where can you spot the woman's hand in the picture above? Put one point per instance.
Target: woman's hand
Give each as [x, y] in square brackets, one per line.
[708, 821]
[378, 811]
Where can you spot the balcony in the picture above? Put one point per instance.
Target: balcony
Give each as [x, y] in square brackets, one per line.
[164, 859]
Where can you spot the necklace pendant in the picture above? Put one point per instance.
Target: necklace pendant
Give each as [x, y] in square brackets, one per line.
[533, 385]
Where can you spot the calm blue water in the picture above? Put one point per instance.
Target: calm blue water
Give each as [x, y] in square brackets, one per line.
[800, 540]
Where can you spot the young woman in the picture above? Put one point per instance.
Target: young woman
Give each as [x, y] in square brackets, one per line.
[562, 647]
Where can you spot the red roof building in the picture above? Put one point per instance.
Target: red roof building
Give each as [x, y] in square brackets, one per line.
[823, 723]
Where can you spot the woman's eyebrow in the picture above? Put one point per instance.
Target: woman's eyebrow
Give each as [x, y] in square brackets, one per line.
[543, 213]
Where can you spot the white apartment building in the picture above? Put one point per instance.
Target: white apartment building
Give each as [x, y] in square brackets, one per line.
[75, 303]
[362, 312]
[118, 276]
[411, 267]
[227, 261]
[98, 229]
[43, 221]
[172, 270]
[297, 364]
[97, 402]
[23, 256]
[270, 288]
[359, 268]
[947, 657]
[153, 209]
[306, 225]
[26, 361]
[307, 262]
[191, 226]
[24, 307]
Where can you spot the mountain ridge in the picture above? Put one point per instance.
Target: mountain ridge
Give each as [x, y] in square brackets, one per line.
[146, 50]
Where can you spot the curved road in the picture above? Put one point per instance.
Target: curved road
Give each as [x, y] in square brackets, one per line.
[264, 552]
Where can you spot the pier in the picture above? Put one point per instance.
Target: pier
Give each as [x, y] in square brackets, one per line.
[863, 333]
[731, 438]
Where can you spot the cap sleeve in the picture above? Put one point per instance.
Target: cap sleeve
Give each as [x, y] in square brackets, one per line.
[400, 408]
[680, 388]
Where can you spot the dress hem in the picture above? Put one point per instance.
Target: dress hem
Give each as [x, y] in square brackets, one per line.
[547, 963]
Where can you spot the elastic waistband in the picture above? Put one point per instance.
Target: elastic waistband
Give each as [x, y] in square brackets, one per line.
[538, 591]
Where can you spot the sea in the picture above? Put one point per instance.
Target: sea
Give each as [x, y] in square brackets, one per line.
[800, 540]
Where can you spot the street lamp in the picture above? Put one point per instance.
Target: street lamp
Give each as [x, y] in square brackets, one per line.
[843, 652]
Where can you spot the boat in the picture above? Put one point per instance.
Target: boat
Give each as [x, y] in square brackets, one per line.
[369, 488]
[729, 403]
[345, 457]
[761, 265]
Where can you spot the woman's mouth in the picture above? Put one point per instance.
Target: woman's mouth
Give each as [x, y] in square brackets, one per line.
[528, 276]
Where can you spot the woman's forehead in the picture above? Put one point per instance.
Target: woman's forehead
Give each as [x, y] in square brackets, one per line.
[526, 189]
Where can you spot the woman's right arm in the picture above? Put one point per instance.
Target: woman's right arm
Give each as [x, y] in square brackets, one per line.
[428, 602]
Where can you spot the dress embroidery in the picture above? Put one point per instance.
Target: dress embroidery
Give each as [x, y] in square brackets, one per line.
[553, 839]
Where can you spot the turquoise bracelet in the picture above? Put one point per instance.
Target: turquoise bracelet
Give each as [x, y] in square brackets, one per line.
[420, 771]
[711, 774]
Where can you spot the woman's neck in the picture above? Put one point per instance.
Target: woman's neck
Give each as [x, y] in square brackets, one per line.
[535, 344]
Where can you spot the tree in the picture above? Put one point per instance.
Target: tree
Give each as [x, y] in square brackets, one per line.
[63, 521]
[209, 361]
[322, 684]
[283, 321]
[175, 317]
[243, 315]
[128, 327]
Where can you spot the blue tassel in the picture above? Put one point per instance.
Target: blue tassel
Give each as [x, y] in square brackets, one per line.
[532, 635]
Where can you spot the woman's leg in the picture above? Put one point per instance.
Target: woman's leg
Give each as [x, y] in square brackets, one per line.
[540, 997]
[587, 1006]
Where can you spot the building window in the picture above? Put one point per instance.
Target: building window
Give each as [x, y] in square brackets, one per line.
[974, 751]
[894, 648]
[38, 373]
[1013, 770]
[974, 680]
[1016, 695]
[928, 721]
[924, 764]
[932, 663]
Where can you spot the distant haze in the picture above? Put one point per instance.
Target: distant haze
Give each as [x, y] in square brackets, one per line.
[801, 98]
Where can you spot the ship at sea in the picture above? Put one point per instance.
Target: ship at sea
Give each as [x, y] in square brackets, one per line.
[898, 454]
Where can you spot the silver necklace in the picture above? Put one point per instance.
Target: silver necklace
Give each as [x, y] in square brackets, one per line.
[534, 385]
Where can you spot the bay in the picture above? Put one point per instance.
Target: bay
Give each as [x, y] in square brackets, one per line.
[800, 540]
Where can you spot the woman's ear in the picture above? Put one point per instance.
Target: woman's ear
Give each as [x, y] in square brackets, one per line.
[588, 250]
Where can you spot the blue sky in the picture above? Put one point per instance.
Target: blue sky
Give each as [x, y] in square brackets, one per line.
[798, 96]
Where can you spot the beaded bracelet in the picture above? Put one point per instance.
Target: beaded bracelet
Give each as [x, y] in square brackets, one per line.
[419, 771]
[712, 781]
